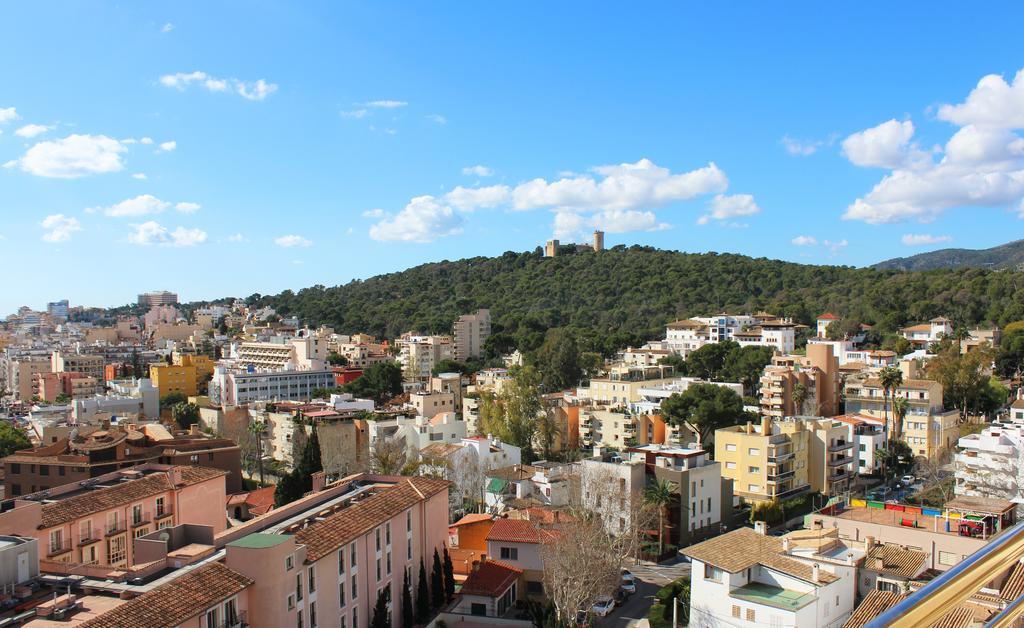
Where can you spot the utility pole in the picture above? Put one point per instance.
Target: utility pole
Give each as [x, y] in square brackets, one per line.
[675, 612]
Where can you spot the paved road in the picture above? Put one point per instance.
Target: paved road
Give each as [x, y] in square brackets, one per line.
[649, 578]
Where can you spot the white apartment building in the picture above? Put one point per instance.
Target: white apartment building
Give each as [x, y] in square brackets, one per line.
[868, 435]
[611, 489]
[652, 396]
[419, 354]
[471, 332]
[924, 334]
[745, 578]
[126, 396]
[233, 386]
[684, 336]
[304, 352]
[991, 464]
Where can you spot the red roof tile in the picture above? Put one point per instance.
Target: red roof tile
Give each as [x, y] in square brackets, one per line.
[519, 531]
[492, 579]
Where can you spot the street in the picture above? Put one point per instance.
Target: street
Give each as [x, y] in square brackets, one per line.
[649, 578]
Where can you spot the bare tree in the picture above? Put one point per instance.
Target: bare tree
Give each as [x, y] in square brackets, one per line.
[388, 456]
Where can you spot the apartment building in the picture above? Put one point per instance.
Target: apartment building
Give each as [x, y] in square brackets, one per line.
[928, 428]
[924, 335]
[612, 487]
[868, 435]
[470, 332]
[84, 457]
[607, 428]
[233, 386]
[746, 578]
[518, 542]
[622, 384]
[86, 364]
[174, 378]
[817, 373]
[50, 386]
[652, 397]
[991, 463]
[22, 372]
[94, 523]
[764, 462]
[419, 354]
[160, 297]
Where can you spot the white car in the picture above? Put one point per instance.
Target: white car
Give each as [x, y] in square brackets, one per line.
[603, 606]
[628, 583]
[908, 480]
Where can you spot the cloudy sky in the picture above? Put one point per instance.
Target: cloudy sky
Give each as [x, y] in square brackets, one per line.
[236, 147]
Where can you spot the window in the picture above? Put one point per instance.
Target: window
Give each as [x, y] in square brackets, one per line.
[231, 612]
[44, 469]
[14, 467]
[312, 581]
[289, 562]
[753, 488]
[388, 571]
[298, 587]
[341, 562]
[863, 447]
[387, 533]
[713, 573]
[377, 535]
[408, 549]
[355, 593]
[730, 447]
[755, 470]
[85, 530]
[735, 611]
[56, 541]
[355, 618]
[211, 617]
[136, 514]
[408, 521]
[750, 614]
[730, 465]
[312, 615]
[298, 619]
[352, 559]
[160, 507]
[948, 558]
[341, 593]
[378, 570]
[753, 451]
[534, 587]
[116, 550]
[510, 553]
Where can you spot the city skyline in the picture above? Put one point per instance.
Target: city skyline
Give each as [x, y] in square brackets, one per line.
[322, 144]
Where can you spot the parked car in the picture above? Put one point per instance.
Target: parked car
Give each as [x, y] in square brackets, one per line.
[603, 606]
[628, 583]
[620, 597]
[584, 620]
[908, 480]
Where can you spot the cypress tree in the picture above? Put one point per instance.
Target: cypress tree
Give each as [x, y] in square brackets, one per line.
[407, 610]
[380, 610]
[436, 583]
[422, 596]
[449, 576]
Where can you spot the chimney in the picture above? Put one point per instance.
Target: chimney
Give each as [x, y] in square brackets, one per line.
[785, 544]
[816, 573]
[849, 558]
[750, 427]
[174, 475]
[761, 528]
[869, 542]
[766, 426]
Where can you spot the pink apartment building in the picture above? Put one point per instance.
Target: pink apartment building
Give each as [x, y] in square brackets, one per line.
[94, 522]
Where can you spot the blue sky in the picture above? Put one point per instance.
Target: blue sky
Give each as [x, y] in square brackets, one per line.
[228, 148]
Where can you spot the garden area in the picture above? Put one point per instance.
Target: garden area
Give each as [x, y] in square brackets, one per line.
[660, 615]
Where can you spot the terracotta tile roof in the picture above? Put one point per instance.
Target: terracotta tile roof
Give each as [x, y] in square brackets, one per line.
[1017, 404]
[177, 601]
[895, 560]
[324, 537]
[828, 316]
[492, 579]
[960, 617]
[472, 518]
[462, 559]
[519, 531]
[438, 451]
[122, 494]
[686, 324]
[744, 548]
[874, 604]
[1014, 585]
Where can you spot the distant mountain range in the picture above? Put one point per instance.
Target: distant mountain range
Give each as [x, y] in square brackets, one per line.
[1009, 255]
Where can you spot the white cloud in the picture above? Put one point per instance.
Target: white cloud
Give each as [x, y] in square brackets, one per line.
[146, 140]
[835, 246]
[141, 205]
[74, 156]
[168, 27]
[236, 237]
[251, 91]
[623, 186]
[424, 219]
[8, 114]
[166, 147]
[625, 220]
[568, 224]
[725, 207]
[255, 91]
[981, 165]
[477, 171]
[186, 207]
[373, 213]
[800, 148]
[59, 227]
[385, 104]
[32, 130]
[923, 239]
[152, 232]
[802, 240]
[884, 146]
[354, 113]
[141, 176]
[289, 241]
[438, 118]
[468, 199]
[993, 103]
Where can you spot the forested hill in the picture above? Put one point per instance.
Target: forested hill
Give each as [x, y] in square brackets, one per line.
[1010, 255]
[626, 295]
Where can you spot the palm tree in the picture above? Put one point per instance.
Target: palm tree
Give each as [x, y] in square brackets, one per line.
[890, 378]
[799, 398]
[659, 494]
[959, 335]
[900, 405]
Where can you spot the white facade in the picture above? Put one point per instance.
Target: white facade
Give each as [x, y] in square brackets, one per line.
[422, 431]
[233, 387]
[991, 464]
[134, 396]
[610, 488]
[652, 396]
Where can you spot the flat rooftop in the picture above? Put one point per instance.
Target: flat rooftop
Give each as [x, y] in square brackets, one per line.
[777, 597]
[896, 518]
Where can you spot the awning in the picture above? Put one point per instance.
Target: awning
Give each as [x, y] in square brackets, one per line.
[496, 485]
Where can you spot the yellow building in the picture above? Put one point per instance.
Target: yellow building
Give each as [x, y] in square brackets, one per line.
[204, 365]
[174, 378]
[780, 459]
[623, 383]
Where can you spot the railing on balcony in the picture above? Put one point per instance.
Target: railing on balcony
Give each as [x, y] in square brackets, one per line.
[775, 458]
[841, 445]
[841, 474]
[165, 511]
[775, 478]
[116, 528]
[838, 462]
[141, 520]
[238, 621]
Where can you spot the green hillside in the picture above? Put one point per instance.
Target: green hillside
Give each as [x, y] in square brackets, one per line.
[1006, 256]
[625, 295]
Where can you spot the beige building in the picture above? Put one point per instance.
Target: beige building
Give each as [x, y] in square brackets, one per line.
[818, 372]
[928, 428]
[621, 386]
[23, 373]
[471, 332]
[419, 354]
[605, 428]
[91, 365]
[780, 459]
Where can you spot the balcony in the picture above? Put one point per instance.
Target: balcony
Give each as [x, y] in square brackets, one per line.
[776, 458]
[57, 550]
[238, 621]
[143, 519]
[838, 462]
[116, 528]
[776, 478]
[166, 511]
[841, 446]
[838, 475]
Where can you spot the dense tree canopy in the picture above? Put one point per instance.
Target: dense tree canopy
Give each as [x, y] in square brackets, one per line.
[704, 408]
[12, 439]
[625, 296]
[380, 382]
